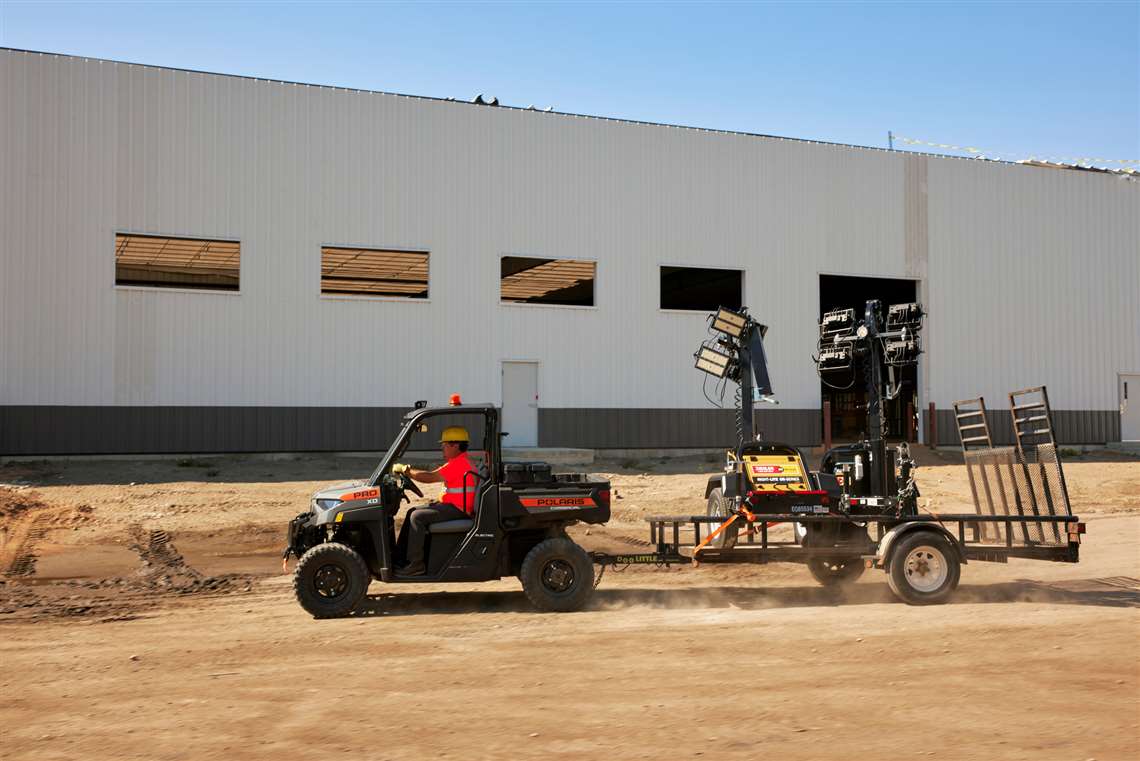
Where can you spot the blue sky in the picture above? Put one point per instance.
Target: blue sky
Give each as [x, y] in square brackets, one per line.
[1059, 79]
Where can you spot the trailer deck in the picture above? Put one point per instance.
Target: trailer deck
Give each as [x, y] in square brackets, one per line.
[679, 539]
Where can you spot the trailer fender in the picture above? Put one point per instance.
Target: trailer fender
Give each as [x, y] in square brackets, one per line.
[882, 557]
[715, 482]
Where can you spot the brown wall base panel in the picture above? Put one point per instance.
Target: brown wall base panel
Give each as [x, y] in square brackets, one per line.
[60, 430]
[600, 428]
[35, 430]
[1069, 426]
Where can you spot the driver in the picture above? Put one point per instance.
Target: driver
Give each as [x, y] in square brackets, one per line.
[460, 481]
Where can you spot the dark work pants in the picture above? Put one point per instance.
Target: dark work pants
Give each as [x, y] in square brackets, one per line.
[418, 521]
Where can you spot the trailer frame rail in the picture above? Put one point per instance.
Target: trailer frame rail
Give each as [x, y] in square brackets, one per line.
[672, 542]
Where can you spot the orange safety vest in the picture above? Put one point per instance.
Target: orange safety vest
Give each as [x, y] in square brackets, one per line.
[460, 483]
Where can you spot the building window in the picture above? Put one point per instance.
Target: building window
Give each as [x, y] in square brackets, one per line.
[374, 272]
[528, 280]
[700, 289]
[160, 261]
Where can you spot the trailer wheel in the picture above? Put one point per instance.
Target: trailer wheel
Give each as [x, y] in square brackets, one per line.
[829, 572]
[924, 568]
[330, 580]
[720, 506]
[557, 575]
[833, 573]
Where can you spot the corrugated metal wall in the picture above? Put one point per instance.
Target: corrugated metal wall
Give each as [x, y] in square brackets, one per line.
[1034, 279]
[88, 148]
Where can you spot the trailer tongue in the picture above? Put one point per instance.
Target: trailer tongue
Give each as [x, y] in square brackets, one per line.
[860, 510]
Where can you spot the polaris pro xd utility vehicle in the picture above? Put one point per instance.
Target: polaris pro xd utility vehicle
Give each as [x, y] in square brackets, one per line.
[348, 538]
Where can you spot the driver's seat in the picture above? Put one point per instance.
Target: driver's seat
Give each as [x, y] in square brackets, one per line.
[463, 525]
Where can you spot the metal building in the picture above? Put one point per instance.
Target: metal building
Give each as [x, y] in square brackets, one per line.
[1030, 275]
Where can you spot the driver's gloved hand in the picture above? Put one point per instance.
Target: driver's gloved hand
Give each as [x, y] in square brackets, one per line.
[400, 469]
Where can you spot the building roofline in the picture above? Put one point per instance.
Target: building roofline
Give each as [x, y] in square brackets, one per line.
[572, 114]
[639, 122]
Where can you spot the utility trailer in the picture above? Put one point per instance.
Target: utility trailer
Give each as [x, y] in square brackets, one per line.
[922, 555]
[860, 510]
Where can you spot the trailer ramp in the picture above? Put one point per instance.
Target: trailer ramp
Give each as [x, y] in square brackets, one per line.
[1025, 479]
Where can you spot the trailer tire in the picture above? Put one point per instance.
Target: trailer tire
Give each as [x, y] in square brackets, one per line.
[924, 568]
[557, 576]
[834, 573]
[330, 580]
[719, 505]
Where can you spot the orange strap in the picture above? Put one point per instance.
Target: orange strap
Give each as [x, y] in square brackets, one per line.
[713, 535]
[769, 524]
[744, 512]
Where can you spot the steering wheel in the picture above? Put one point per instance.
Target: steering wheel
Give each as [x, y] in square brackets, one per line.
[410, 485]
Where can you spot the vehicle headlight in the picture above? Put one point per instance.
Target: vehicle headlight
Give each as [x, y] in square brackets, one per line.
[327, 504]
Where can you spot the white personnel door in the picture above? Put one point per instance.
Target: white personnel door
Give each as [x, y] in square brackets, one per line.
[1130, 407]
[520, 404]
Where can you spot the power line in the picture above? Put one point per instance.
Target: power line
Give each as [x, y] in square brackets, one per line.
[1021, 156]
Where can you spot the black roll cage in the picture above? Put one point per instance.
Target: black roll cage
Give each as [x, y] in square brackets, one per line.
[412, 420]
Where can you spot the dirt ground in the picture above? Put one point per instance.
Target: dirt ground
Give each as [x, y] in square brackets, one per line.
[143, 614]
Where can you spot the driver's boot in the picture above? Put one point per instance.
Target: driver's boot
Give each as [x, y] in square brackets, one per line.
[412, 569]
[417, 524]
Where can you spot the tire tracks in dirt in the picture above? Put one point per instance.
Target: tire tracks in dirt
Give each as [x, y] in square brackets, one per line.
[27, 521]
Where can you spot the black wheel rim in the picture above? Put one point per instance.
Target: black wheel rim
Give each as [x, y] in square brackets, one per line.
[330, 581]
[557, 576]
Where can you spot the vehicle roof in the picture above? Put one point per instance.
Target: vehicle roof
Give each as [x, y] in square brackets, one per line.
[458, 409]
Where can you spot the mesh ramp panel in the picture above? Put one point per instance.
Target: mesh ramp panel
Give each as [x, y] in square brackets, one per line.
[1007, 482]
[1032, 419]
[977, 446]
[1043, 466]
[993, 488]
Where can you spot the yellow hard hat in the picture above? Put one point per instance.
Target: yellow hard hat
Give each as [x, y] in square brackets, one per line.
[454, 433]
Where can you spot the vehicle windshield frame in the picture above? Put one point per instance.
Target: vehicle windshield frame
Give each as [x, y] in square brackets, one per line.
[412, 421]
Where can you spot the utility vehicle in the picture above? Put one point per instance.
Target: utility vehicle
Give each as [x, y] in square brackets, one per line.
[347, 538]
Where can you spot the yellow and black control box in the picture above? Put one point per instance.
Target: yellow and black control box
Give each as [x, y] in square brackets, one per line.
[776, 473]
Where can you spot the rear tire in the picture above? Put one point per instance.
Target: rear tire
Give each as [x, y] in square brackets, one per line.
[330, 580]
[720, 506]
[557, 575]
[924, 568]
